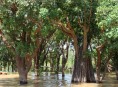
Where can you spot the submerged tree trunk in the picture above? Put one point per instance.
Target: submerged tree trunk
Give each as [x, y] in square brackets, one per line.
[23, 66]
[89, 71]
[37, 66]
[98, 66]
[58, 63]
[64, 59]
[79, 71]
[63, 64]
[23, 76]
[83, 69]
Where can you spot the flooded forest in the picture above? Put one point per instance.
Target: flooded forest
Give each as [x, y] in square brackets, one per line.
[58, 43]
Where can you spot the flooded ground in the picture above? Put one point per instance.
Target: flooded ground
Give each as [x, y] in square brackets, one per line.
[52, 80]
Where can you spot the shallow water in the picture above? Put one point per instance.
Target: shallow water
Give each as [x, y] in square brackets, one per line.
[52, 80]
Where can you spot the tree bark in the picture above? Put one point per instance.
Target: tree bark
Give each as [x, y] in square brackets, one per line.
[89, 72]
[37, 66]
[58, 63]
[23, 77]
[79, 73]
[64, 59]
[23, 66]
[98, 65]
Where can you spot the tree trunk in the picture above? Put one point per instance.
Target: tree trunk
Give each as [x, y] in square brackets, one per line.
[78, 75]
[64, 59]
[21, 70]
[83, 70]
[63, 64]
[106, 63]
[23, 66]
[115, 61]
[22, 76]
[58, 63]
[89, 72]
[46, 63]
[98, 66]
[36, 66]
[8, 65]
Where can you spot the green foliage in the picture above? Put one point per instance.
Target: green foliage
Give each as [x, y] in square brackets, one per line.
[107, 13]
[43, 12]
[16, 21]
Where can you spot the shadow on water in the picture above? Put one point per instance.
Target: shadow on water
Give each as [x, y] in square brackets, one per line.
[52, 80]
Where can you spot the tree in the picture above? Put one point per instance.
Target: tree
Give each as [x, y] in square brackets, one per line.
[74, 18]
[107, 22]
[22, 32]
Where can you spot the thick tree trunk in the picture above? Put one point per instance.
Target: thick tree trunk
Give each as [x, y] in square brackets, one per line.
[89, 72]
[79, 74]
[21, 70]
[83, 70]
[76, 68]
[23, 66]
[22, 76]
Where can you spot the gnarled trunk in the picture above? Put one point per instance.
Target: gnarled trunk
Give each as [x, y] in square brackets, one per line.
[79, 71]
[83, 70]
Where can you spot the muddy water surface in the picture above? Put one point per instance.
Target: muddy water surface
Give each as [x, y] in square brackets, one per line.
[51, 80]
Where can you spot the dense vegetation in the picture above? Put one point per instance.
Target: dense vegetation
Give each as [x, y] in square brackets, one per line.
[38, 35]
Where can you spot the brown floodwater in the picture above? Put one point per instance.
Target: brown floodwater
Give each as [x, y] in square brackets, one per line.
[52, 80]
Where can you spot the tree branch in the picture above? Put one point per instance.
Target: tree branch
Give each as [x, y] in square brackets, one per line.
[5, 41]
